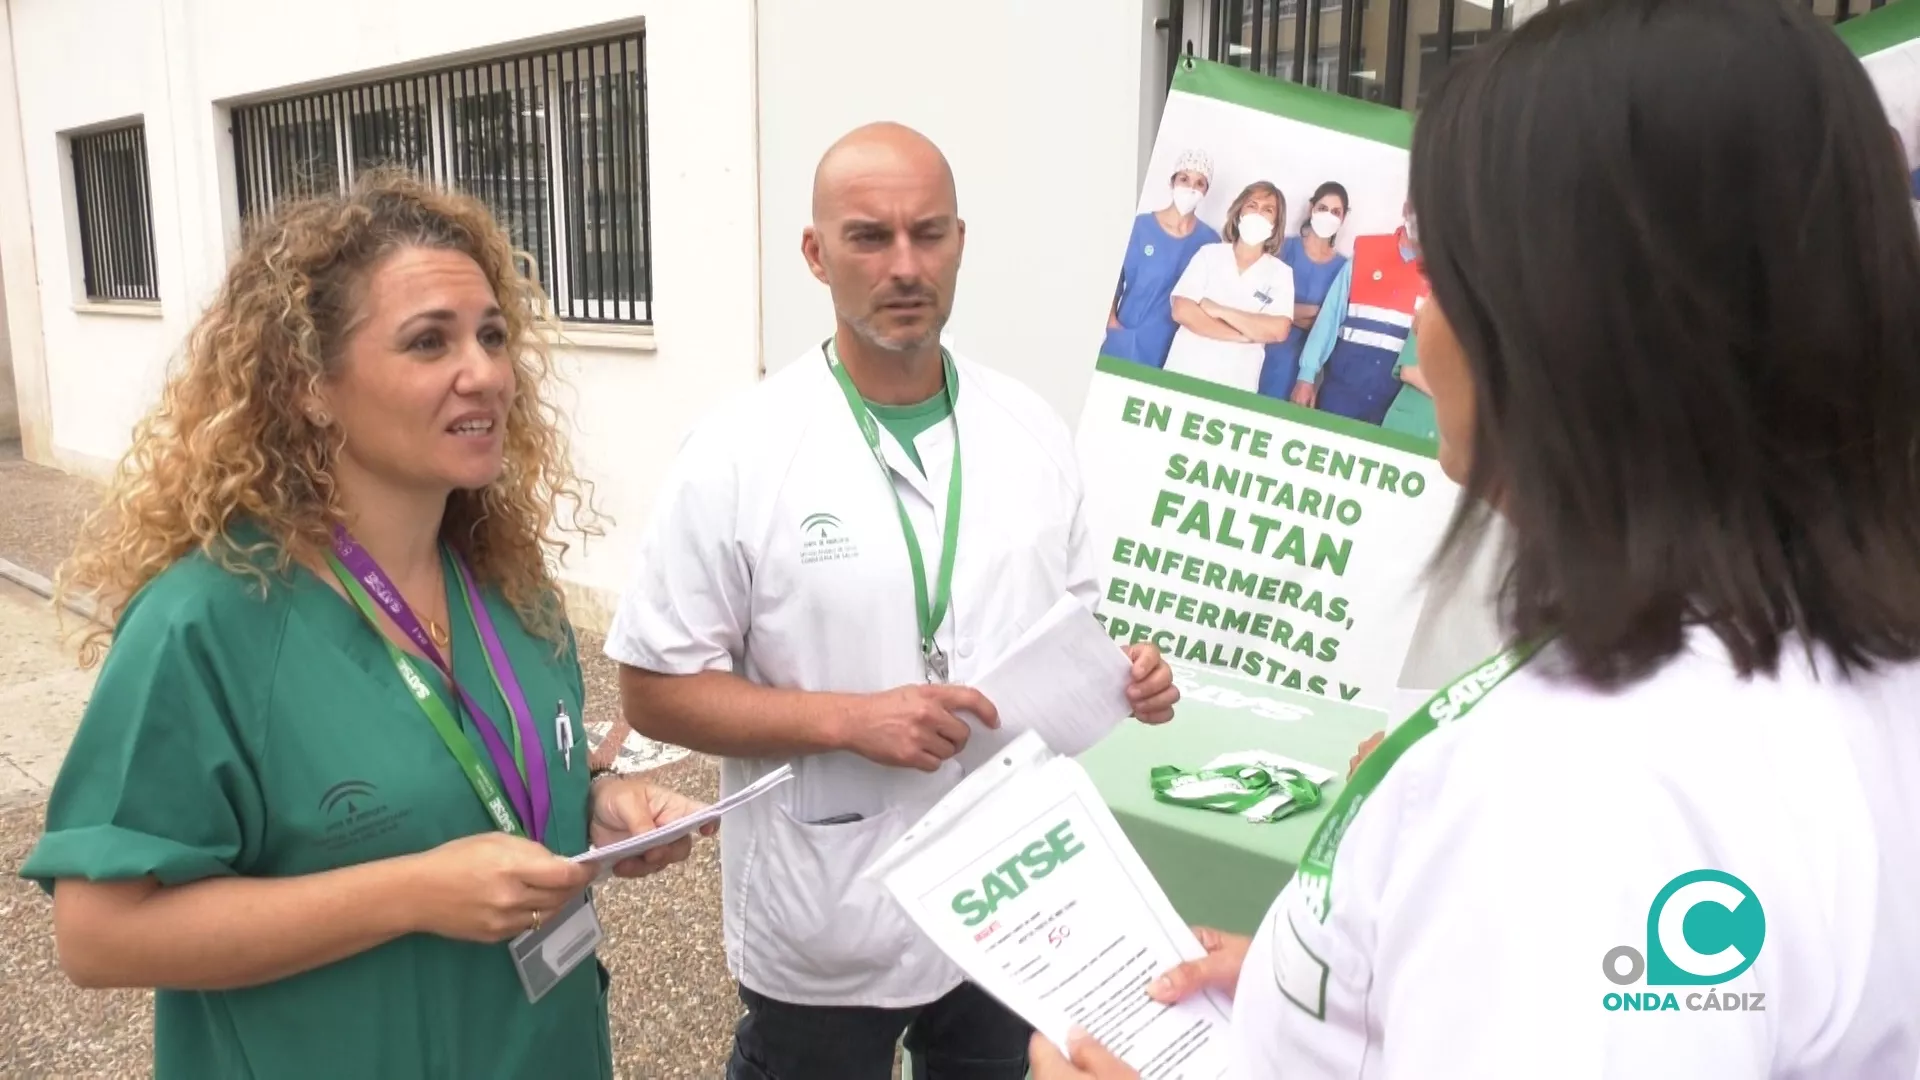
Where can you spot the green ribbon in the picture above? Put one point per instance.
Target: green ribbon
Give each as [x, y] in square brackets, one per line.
[1234, 789]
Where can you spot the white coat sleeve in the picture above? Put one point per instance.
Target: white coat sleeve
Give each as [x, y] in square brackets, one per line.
[1283, 293]
[1512, 877]
[1083, 567]
[685, 610]
[1193, 280]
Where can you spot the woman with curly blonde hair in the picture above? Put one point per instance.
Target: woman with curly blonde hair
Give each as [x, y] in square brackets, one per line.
[326, 559]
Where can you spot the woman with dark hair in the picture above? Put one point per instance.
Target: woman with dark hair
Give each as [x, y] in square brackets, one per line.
[1672, 340]
[1236, 296]
[1315, 263]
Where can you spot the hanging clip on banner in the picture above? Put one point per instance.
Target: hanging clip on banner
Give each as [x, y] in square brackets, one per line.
[1259, 787]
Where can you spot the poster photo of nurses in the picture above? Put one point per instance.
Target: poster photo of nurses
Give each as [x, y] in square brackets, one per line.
[1277, 257]
[1895, 72]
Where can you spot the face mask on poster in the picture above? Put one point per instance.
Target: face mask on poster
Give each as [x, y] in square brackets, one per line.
[1325, 224]
[1185, 199]
[1255, 229]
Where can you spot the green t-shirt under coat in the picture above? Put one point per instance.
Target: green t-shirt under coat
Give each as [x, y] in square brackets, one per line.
[234, 735]
[908, 422]
[1411, 412]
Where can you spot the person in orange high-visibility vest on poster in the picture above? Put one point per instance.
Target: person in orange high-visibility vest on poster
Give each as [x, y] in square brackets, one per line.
[1348, 366]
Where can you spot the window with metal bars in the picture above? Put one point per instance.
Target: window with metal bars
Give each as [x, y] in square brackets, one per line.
[1390, 51]
[113, 205]
[554, 142]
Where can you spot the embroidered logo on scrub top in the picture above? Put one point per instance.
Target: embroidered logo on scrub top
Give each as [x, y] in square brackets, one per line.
[1147, 251]
[824, 539]
[353, 812]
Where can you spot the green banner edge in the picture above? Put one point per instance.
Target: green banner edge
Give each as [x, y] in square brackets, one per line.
[1266, 406]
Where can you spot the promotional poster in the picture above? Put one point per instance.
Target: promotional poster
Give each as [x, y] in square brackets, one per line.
[1258, 442]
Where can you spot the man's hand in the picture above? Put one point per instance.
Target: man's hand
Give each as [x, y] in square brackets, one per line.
[1218, 970]
[916, 727]
[628, 806]
[1150, 686]
[1090, 1060]
[1373, 743]
[1305, 394]
[608, 751]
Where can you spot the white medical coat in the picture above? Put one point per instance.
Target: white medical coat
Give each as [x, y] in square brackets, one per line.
[1264, 288]
[776, 553]
[1478, 891]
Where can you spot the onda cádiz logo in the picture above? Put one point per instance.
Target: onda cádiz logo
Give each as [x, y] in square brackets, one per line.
[824, 539]
[1704, 928]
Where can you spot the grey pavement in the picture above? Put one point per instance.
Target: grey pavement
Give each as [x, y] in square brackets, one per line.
[42, 693]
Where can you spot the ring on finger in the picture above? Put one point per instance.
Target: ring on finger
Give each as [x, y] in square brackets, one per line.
[536, 918]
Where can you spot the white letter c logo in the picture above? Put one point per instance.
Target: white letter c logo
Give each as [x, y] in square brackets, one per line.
[1672, 924]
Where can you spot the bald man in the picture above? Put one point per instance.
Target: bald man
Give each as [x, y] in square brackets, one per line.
[813, 590]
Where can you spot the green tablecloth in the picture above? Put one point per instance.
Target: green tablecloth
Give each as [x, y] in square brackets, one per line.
[1219, 869]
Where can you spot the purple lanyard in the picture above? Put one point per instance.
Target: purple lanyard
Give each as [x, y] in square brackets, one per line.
[534, 809]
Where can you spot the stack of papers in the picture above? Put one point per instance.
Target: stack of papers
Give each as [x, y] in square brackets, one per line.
[1024, 879]
[674, 830]
[1064, 679]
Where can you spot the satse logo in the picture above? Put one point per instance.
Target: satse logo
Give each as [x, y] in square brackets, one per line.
[1011, 878]
[823, 539]
[1705, 927]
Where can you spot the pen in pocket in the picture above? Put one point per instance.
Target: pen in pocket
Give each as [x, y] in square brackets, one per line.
[563, 733]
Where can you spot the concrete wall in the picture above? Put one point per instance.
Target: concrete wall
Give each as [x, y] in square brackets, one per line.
[1043, 109]
[178, 64]
[1039, 107]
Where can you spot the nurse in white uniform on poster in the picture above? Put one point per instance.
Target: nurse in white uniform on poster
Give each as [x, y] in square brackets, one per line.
[1235, 297]
[1675, 831]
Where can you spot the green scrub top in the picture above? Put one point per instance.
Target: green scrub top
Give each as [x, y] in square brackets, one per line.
[234, 735]
[906, 422]
[1412, 410]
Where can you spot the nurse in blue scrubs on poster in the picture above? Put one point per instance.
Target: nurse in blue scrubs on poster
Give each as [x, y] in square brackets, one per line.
[1315, 263]
[1140, 327]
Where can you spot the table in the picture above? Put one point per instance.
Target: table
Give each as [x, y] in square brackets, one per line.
[1219, 869]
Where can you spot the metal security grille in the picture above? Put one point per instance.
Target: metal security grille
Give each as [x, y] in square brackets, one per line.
[554, 142]
[112, 203]
[1390, 51]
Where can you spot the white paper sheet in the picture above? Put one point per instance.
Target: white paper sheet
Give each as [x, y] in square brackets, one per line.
[1064, 678]
[668, 833]
[1022, 876]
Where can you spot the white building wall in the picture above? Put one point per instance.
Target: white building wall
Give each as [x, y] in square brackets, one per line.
[1043, 110]
[1039, 107]
[178, 64]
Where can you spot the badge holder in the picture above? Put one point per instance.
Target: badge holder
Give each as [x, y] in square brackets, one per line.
[545, 956]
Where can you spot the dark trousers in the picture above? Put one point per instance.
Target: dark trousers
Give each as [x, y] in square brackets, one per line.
[966, 1035]
[1359, 382]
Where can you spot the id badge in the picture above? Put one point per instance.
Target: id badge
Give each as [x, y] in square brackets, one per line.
[545, 956]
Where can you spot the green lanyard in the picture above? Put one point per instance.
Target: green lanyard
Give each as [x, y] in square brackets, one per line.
[930, 612]
[1453, 702]
[443, 722]
[1234, 789]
